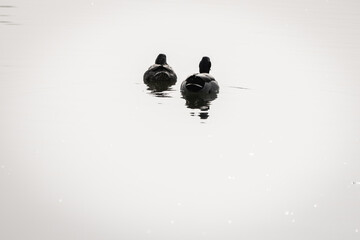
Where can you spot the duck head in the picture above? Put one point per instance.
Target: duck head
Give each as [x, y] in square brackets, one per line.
[161, 59]
[205, 65]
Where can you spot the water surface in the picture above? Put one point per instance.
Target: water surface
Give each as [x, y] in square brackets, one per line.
[87, 152]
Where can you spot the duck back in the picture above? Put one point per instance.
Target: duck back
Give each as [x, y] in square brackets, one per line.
[200, 83]
[159, 77]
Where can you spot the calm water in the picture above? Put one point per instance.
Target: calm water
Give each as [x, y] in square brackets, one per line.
[87, 152]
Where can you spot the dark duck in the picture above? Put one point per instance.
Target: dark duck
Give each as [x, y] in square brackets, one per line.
[201, 84]
[160, 76]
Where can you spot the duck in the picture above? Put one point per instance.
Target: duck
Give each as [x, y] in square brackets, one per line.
[160, 76]
[202, 84]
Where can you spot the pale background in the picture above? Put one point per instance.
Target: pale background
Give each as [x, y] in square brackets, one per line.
[86, 152]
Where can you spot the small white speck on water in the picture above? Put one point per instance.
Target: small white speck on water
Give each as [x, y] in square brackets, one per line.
[251, 154]
[172, 222]
[179, 203]
[2, 166]
[231, 177]
[345, 163]
[315, 205]
[267, 175]
[291, 213]
[268, 189]
[287, 213]
[356, 230]
[92, 3]
[60, 200]
[271, 141]
[111, 145]
[229, 222]
[293, 220]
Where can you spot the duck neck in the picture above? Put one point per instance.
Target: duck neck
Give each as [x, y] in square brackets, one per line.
[204, 70]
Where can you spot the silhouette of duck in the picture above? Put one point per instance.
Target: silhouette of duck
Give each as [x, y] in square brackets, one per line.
[200, 89]
[201, 84]
[160, 76]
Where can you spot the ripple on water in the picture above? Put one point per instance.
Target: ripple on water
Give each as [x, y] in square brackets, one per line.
[4, 16]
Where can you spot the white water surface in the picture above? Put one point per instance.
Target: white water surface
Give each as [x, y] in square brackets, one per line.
[87, 152]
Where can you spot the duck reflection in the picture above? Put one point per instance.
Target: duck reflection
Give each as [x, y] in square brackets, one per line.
[200, 102]
[200, 89]
[166, 93]
[160, 76]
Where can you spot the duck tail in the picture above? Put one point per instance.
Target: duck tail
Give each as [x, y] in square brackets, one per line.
[194, 83]
[162, 76]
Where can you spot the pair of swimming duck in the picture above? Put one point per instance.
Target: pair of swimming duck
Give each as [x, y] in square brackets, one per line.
[160, 76]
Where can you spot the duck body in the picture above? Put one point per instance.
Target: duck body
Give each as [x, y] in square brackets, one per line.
[160, 76]
[201, 85]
